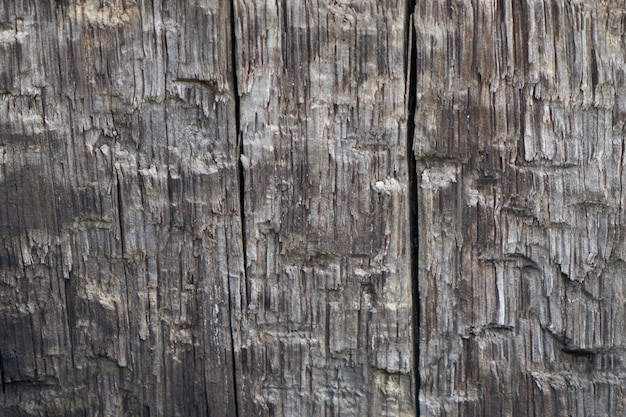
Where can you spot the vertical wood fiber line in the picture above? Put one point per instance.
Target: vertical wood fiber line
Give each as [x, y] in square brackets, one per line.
[411, 80]
[70, 314]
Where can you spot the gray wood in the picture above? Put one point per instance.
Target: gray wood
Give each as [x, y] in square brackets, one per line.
[119, 214]
[326, 322]
[210, 208]
[128, 284]
[519, 142]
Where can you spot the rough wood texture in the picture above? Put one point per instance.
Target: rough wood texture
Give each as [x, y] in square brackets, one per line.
[205, 207]
[122, 251]
[519, 142]
[326, 320]
[119, 214]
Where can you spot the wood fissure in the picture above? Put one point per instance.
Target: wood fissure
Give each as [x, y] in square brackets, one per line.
[2, 381]
[242, 189]
[411, 80]
[120, 212]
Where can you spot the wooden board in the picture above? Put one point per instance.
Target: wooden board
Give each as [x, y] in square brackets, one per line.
[127, 157]
[326, 322]
[519, 142]
[211, 208]
[119, 211]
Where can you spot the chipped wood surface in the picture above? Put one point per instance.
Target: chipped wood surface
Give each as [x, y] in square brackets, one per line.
[119, 211]
[519, 143]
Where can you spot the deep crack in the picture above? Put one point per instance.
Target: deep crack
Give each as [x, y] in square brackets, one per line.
[241, 181]
[411, 78]
[120, 212]
[2, 374]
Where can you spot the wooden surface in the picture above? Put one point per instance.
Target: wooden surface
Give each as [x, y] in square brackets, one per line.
[312, 208]
[119, 210]
[127, 153]
[326, 316]
[519, 142]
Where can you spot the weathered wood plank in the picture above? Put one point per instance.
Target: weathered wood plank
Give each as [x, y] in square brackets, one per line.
[519, 143]
[119, 214]
[326, 323]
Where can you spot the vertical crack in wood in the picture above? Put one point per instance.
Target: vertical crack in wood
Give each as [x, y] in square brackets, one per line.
[411, 79]
[2, 373]
[241, 181]
[71, 318]
[120, 212]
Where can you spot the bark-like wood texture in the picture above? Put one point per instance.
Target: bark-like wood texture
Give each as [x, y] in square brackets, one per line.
[132, 283]
[519, 143]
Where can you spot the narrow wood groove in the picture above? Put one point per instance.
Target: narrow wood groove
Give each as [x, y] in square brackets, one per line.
[71, 317]
[2, 374]
[240, 177]
[411, 79]
[120, 212]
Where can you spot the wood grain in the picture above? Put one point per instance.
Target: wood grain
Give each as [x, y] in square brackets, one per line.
[132, 281]
[252, 208]
[519, 143]
[326, 327]
[120, 211]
